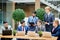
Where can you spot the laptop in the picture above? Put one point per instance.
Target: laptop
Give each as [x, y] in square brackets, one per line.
[6, 32]
[20, 33]
[46, 34]
[32, 34]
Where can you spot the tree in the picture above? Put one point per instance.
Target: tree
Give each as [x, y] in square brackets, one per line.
[40, 13]
[18, 15]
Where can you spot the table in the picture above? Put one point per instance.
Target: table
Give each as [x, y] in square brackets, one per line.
[27, 37]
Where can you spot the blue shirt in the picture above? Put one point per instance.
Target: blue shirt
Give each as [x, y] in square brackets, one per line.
[33, 19]
[20, 28]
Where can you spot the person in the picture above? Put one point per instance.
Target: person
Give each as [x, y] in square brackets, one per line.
[22, 28]
[39, 26]
[32, 27]
[33, 18]
[48, 19]
[56, 29]
[6, 27]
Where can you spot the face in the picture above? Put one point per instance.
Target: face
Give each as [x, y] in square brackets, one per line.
[54, 24]
[33, 14]
[23, 24]
[6, 25]
[38, 23]
[46, 10]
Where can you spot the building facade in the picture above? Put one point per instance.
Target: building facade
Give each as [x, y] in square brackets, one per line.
[7, 7]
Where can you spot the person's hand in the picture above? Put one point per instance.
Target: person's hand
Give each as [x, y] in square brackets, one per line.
[46, 23]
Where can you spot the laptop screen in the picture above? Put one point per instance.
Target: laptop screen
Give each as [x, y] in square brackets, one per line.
[7, 32]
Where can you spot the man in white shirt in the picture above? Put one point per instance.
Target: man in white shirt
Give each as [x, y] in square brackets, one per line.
[5, 26]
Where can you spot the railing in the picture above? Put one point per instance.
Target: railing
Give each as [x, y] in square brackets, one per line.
[52, 0]
[51, 4]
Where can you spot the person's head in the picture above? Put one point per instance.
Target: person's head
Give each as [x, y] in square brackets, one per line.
[5, 24]
[34, 13]
[55, 23]
[23, 23]
[39, 22]
[47, 9]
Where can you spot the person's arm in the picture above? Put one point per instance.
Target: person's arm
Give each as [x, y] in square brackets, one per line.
[57, 33]
[44, 18]
[44, 28]
[9, 27]
[36, 30]
[53, 18]
[28, 19]
[18, 28]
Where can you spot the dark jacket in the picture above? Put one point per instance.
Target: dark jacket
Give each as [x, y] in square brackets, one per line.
[49, 19]
[56, 32]
[20, 29]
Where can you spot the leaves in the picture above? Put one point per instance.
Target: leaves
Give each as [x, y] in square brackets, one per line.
[40, 13]
[40, 32]
[18, 15]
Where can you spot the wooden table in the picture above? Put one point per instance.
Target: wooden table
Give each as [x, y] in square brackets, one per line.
[27, 37]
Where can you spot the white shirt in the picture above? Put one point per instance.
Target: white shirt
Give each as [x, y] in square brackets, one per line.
[48, 13]
[3, 28]
[22, 28]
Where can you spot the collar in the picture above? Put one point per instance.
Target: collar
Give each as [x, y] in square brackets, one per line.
[57, 26]
[49, 13]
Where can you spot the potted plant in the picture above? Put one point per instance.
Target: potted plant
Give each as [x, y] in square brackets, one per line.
[40, 33]
[14, 32]
[40, 13]
[18, 15]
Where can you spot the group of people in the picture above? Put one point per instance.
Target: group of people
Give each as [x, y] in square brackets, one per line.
[35, 24]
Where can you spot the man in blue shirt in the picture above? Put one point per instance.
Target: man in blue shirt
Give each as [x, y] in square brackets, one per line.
[33, 18]
[22, 28]
[32, 27]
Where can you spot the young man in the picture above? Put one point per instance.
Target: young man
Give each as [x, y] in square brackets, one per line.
[22, 28]
[33, 18]
[48, 19]
[56, 29]
[39, 26]
[6, 27]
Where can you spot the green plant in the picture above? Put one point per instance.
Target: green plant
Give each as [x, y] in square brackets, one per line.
[40, 13]
[14, 32]
[40, 33]
[18, 15]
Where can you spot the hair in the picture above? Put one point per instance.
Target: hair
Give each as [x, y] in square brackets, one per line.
[5, 22]
[34, 12]
[56, 21]
[39, 21]
[47, 7]
[22, 21]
